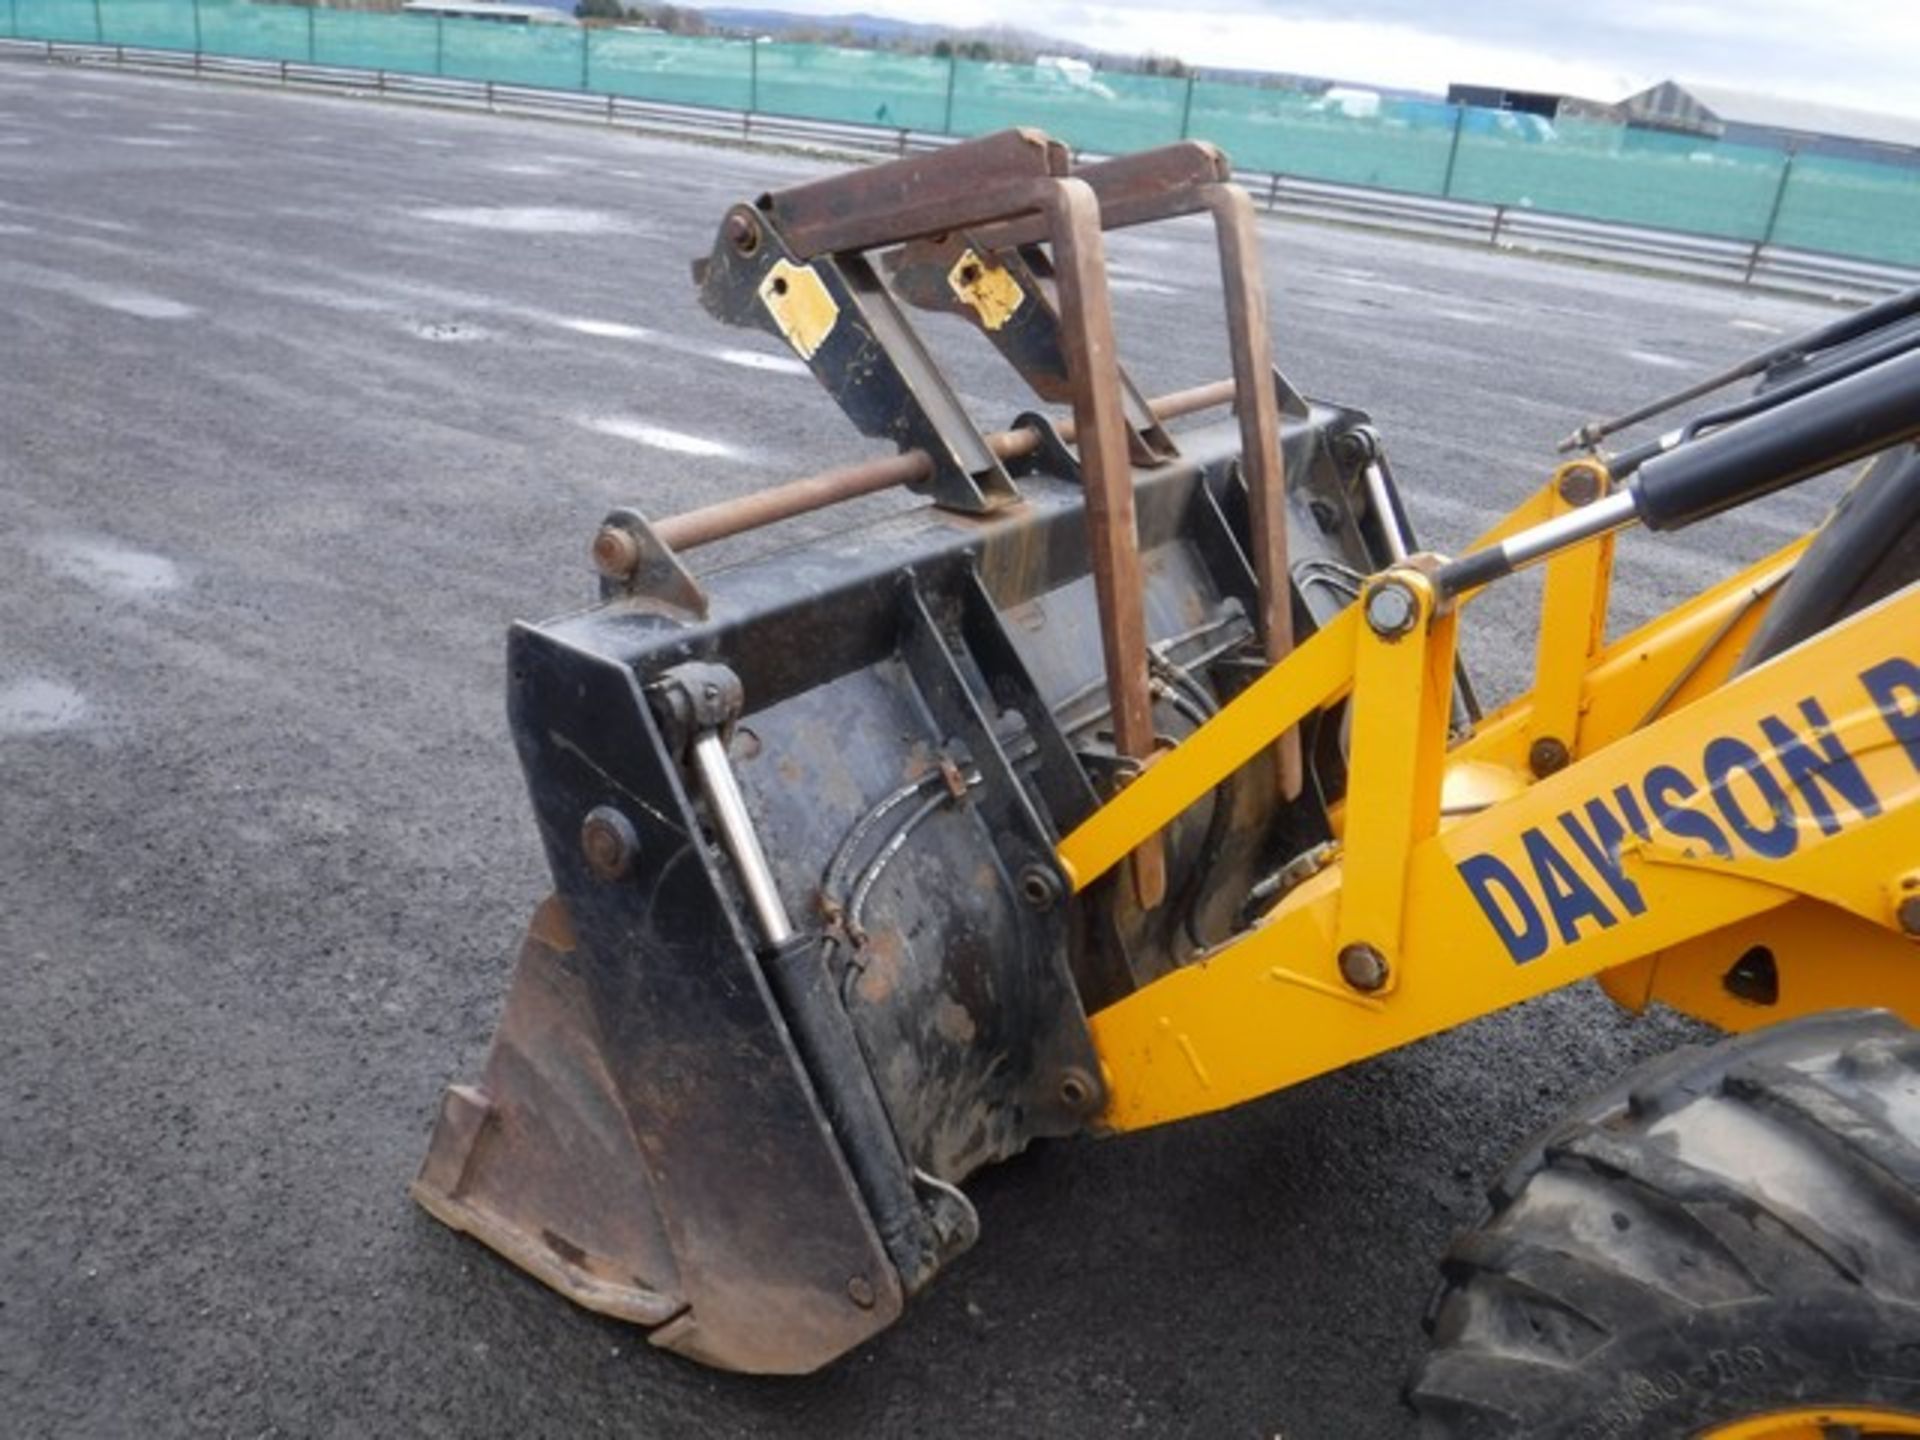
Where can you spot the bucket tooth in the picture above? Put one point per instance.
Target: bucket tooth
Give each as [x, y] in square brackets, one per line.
[541, 1163]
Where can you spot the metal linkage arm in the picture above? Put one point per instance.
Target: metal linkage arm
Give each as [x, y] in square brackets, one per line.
[1854, 416]
[1890, 311]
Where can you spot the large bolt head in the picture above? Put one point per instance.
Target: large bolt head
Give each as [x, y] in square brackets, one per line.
[615, 552]
[1363, 967]
[743, 232]
[1580, 483]
[609, 842]
[1547, 756]
[1910, 915]
[1391, 609]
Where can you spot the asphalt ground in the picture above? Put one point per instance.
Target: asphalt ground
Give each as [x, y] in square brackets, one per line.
[302, 400]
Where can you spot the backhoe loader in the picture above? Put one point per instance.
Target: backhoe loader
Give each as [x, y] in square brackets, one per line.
[1133, 774]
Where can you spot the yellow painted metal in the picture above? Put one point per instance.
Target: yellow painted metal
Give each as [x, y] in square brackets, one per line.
[1316, 673]
[797, 299]
[1573, 623]
[1398, 752]
[1656, 670]
[1524, 516]
[1825, 1423]
[987, 288]
[1825, 958]
[1269, 1008]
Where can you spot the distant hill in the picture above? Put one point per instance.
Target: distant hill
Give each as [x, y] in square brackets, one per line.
[882, 29]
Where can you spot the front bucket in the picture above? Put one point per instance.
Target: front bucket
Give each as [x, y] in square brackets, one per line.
[811, 960]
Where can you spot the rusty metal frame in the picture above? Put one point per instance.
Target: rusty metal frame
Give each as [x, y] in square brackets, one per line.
[1191, 177]
[829, 225]
[724, 519]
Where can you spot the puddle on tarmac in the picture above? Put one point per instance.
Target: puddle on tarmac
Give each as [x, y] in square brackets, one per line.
[38, 706]
[448, 332]
[109, 567]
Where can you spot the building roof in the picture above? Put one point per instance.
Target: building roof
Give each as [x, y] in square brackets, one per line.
[490, 10]
[1807, 117]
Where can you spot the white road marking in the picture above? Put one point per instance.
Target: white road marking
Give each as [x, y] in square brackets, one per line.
[123, 299]
[608, 329]
[754, 360]
[1758, 327]
[528, 219]
[658, 437]
[641, 335]
[1657, 360]
[1120, 285]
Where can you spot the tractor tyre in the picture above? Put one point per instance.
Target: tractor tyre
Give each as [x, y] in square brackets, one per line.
[1725, 1244]
[1868, 548]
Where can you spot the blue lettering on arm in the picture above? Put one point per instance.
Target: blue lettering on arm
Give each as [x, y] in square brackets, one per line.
[1569, 897]
[1602, 849]
[1814, 772]
[1895, 688]
[1523, 933]
[1665, 787]
[1727, 757]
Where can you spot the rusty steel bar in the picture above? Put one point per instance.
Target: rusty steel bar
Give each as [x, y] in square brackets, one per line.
[1133, 190]
[974, 182]
[1262, 463]
[1106, 471]
[694, 528]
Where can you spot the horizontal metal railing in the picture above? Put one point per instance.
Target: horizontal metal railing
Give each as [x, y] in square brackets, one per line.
[1502, 226]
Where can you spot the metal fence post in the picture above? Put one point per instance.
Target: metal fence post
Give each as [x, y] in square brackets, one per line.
[99, 30]
[1186, 109]
[1773, 214]
[586, 57]
[313, 52]
[196, 34]
[953, 72]
[753, 74]
[1453, 151]
[439, 45]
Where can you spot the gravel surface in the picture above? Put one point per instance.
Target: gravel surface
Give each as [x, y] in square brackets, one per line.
[302, 400]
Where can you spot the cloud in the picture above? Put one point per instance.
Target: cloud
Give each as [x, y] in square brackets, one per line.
[1845, 52]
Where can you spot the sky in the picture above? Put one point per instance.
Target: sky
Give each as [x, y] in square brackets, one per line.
[1844, 52]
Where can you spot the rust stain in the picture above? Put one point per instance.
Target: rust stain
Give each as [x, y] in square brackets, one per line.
[954, 1022]
[884, 956]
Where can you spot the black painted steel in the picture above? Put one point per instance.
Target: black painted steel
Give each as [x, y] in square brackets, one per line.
[1852, 417]
[920, 713]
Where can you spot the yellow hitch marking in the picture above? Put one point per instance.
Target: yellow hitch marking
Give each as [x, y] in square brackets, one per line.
[797, 298]
[989, 290]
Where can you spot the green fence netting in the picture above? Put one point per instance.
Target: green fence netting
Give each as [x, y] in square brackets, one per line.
[672, 68]
[1586, 169]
